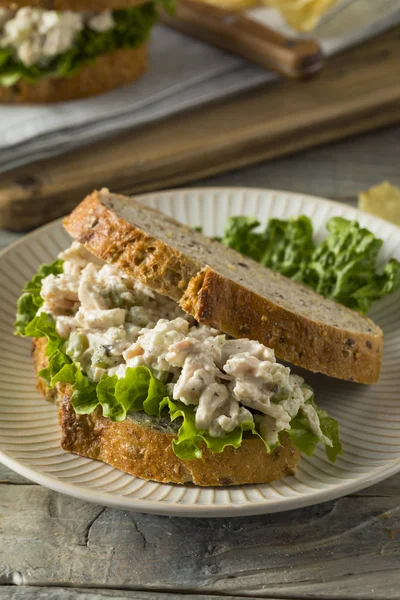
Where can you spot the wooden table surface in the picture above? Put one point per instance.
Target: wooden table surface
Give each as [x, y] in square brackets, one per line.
[54, 547]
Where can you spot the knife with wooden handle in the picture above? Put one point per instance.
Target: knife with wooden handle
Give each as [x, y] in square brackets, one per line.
[291, 57]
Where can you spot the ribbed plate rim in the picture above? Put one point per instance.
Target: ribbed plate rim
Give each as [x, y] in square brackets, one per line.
[374, 475]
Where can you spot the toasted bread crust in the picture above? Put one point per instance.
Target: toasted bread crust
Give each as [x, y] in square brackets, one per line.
[147, 453]
[303, 340]
[158, 265]
[74, 5]
[298, 340]
[40, 362]
[105, 73]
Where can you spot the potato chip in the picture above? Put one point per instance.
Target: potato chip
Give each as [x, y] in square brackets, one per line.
[382, 201]
[233, 4]
[302, 15]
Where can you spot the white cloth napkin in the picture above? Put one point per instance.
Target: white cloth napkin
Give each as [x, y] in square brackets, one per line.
[184, 73]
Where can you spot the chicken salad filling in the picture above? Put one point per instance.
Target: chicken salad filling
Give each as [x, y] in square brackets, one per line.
[36, 35]
[116, 332]
[37, 43]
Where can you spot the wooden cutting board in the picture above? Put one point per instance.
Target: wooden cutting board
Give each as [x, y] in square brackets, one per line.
[358, 90]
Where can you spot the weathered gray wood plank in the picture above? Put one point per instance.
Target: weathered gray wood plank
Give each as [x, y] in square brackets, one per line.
[339, 170]
[388, 487]
[9, 476]
[346, 548]
[336, 171]
[57, 593]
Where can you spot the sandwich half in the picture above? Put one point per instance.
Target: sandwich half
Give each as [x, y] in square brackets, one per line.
[71, 49]
[159, 345]
[157, 448]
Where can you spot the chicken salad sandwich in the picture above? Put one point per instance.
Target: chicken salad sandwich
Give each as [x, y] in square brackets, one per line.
[159, 346]
[74, 49]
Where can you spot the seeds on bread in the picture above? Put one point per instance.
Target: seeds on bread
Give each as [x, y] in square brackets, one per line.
[142, 445]
[223, 289]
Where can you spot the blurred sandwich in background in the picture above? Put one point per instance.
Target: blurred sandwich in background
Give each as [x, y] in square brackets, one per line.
[75, 49]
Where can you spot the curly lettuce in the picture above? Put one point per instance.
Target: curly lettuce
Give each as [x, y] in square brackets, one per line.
[303, 438]
[343, 267]
[189, 441]
[30, 301]
[132, 29]
[140, 389]
[239, 234]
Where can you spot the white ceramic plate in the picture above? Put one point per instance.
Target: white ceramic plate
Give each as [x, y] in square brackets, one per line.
[369, 417]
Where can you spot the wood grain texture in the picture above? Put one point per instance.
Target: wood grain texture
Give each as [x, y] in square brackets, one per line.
[11, 478]
[358, 90]
[60, 593]
[348, 548]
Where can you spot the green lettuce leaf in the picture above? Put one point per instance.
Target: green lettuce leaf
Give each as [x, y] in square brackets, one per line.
[189, 439]
[140, 389]
[57, 362]
[105, 392]
[344, 264]
[66, 374]
[240, 234]
[302, 437]
[27, 307]
[342, 267]
[84, 400]
[35, 284]
[284, 246]
[30, 301]
[288, 246]
[379, 286]
[28, 323]
[132, 29]
[133, 390]
[330, 428]
[44, 326]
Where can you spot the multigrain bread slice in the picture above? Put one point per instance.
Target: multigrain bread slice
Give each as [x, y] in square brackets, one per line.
[146, 451]
[102, 75]
[225, 290]
[142, 445]
[40, 362]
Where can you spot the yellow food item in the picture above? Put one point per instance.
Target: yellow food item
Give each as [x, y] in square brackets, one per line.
[303, 15]
[382, 201]
[233, 4]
